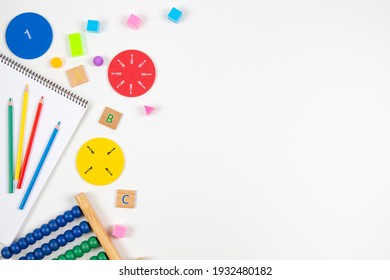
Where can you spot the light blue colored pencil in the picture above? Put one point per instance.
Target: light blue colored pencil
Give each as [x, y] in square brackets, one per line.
[39, 167]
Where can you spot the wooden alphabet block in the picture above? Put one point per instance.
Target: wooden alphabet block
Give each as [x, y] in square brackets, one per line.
[125, 199]
[110, 118]
[77, 76]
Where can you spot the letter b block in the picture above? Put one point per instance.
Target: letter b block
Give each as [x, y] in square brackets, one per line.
[125, 199]
[110, 118]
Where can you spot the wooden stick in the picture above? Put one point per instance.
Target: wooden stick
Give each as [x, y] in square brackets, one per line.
[97, 227]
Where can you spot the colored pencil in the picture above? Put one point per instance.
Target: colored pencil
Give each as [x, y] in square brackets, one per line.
[30, 143]
[39, 167]
[10, 147]
[21, 134]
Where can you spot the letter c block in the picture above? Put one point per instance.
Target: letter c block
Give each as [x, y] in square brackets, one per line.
[125, 198]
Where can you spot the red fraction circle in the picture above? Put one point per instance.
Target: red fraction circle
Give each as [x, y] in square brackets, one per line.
[131, 73]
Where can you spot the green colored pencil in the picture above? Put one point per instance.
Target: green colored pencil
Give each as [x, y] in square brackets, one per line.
[10, 146]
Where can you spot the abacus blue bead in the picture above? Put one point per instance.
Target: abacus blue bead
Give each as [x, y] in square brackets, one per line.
[76, 230]
[68, 216]
[30, 239]
[15, 248]
[46, 249]
[85, 228]
[61, 220]
[61, 240]
[6, 253]
[38, 254]
[37, 234]
[22, 258]
[76, 211]
[53, 225]
[30, 256]
[45, 230]
[22, 243]
[69, 236]
[53, 244]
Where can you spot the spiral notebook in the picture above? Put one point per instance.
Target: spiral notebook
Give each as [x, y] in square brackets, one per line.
[61, 105]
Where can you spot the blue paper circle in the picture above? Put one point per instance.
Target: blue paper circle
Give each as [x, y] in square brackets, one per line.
[29, 35]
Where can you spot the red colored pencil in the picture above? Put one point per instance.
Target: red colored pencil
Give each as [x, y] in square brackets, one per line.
[30, 143]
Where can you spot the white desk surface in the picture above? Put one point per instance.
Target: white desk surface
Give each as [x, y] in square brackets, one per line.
[271, 137]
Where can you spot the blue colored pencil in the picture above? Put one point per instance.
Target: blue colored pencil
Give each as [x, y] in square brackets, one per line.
[39, 167]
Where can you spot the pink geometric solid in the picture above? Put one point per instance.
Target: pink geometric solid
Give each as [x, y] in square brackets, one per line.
[133, 21]
[119, 231]
[148, 110]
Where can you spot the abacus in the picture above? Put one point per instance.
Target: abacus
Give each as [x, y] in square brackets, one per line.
[90, 226]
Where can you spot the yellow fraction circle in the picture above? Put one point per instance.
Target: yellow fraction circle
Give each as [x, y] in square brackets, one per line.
[100, 161]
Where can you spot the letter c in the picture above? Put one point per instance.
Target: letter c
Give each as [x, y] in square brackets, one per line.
[123, 199]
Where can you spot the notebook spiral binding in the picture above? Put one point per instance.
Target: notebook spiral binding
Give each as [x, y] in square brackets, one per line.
[42, 80]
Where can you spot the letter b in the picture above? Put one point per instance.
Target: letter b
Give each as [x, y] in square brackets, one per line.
[110, 118]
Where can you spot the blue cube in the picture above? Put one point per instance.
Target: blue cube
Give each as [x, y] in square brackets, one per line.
[93, 26]
[175, 15]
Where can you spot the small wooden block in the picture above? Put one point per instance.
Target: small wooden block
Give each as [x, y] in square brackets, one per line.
[125, 199]
[77, 76]
[110, 118]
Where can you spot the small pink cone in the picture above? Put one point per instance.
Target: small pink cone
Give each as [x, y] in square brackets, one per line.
[148, 110]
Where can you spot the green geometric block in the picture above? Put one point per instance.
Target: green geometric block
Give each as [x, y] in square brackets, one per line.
[76, 44]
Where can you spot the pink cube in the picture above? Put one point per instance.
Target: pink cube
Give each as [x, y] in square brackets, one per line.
[119, 231]
[133, 21]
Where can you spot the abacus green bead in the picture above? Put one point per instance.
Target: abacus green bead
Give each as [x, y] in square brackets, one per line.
[93, 242]
[102, 256]
[94, 258]
[69, 255]
[61, 257]
[85, 247]
[77, 251]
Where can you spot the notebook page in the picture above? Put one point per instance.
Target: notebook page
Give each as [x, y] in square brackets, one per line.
[55, 108]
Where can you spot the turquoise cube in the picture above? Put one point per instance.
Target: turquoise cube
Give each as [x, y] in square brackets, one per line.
[93, 26]
[175, 15]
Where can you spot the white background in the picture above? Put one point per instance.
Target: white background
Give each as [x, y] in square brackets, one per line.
[271, 137]
[281, 269]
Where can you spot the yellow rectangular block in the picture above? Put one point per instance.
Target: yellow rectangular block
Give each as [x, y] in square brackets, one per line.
[125, 199]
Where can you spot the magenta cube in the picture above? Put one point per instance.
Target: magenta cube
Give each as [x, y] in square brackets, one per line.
[119, 231]
[133, 21]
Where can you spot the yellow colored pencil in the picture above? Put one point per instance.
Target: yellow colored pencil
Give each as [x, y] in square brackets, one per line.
[21, 134]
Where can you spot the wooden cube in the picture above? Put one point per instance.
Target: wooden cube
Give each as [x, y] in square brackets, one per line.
[110, 118]
[125, 199]
[77, 76]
